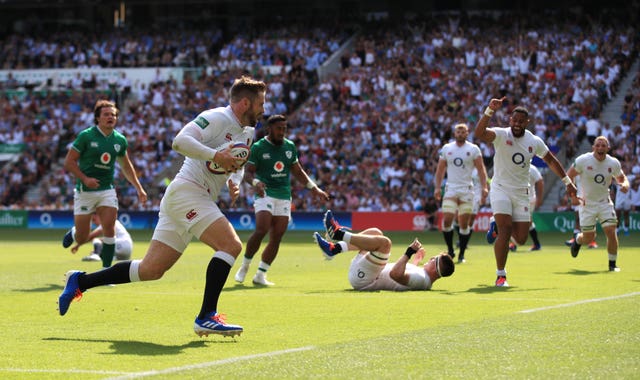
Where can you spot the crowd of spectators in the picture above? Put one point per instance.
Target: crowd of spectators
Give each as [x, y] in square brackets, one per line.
[370, 132]
[387, 112]
[46, 118]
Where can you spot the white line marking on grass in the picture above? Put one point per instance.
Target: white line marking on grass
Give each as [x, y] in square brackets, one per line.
[211, 364]
[580, 302]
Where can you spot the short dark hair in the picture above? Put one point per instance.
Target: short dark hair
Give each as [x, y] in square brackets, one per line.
[100, 104]
[521, 110]
[246, 87]
[445, 265]
[276, 119]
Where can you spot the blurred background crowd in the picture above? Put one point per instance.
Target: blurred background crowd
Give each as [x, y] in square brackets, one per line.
[370, 100]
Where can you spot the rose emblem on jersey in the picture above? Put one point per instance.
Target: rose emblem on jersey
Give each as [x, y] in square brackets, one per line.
[191, 214]
[105, 158]
[278, 166]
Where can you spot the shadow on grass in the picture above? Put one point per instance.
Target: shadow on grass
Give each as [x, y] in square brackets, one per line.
[579, 272]
[132, 347]
[43, 289]
[486, 289]
[239, 286]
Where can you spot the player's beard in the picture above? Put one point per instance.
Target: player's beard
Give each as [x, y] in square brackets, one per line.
[276, 141]
[251, 117]
[520, 132]
[252, 120]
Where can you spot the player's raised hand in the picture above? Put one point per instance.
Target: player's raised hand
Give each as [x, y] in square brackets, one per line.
[496, 104]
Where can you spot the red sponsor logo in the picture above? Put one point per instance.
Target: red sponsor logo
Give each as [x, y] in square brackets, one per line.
[191, 214]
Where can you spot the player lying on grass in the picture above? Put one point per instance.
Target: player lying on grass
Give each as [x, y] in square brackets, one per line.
[124, 243]
[370, 269]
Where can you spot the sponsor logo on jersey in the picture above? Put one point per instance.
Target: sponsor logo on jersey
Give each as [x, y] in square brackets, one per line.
[201, 122]
[105, 158]
[278, 166]
[191, 214]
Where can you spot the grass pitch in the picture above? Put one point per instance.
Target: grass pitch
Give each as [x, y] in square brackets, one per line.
[561, 317]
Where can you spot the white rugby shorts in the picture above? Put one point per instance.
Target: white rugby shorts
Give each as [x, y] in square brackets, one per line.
[86, 202]
[514, 202]
[186, 210]
[277, 207]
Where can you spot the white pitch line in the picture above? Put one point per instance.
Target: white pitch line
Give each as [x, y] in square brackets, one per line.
[580, 302]
[210, 364]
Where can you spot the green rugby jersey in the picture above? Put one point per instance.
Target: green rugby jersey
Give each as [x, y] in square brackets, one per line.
[98, 155]
[273, 165]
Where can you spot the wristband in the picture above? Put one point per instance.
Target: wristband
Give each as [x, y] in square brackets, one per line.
[566, 180]
[255, 182]
[410, 251]
[311, 184]
[489, 112]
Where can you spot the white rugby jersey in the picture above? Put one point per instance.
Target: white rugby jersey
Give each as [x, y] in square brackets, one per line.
[534, 176]
[477, 187]
[596, 176]
[121, 232]
[513, 157]
[418, 279]
[459, 162]
[218, 126]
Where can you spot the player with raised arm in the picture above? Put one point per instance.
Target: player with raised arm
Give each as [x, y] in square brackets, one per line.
[514, 147]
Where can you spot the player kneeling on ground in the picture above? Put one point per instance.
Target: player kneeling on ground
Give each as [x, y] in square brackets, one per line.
[370, 269]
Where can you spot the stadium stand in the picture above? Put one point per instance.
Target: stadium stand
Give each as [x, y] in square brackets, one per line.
[368, 131]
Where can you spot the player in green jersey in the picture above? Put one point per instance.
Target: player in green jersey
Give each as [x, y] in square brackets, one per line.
[272, 160]
[92, 159]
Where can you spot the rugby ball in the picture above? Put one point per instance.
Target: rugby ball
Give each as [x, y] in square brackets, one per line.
[238, 150]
